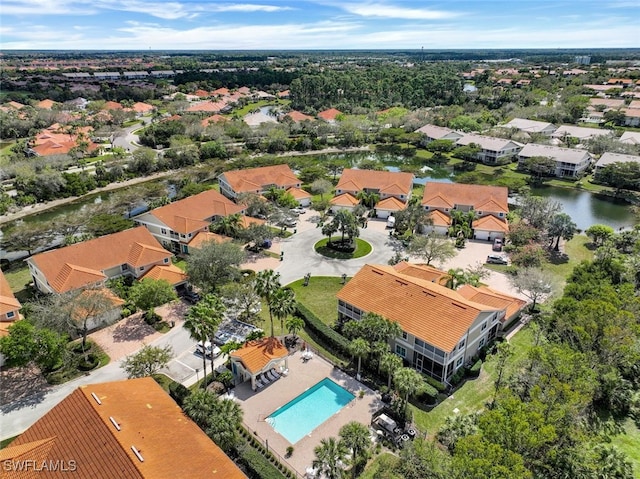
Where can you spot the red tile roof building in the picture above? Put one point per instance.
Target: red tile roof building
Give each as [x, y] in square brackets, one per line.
[385, 184]
[124, 429]
[175, 225]
[257, 180]
[58, 140]
[9, 305]
[91, 263]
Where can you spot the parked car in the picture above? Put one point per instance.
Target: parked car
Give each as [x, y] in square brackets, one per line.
[497, 244]
[289, 222]
[497, 259]
[391, 222]
[191, 297]
[209, 350]
[300, 210]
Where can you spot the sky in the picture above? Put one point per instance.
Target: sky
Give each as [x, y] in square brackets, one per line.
[317, 24]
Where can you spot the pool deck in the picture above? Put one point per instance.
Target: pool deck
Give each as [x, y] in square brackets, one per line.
[302, 375]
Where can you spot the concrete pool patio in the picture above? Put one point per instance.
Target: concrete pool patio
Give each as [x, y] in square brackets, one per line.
[302, 375]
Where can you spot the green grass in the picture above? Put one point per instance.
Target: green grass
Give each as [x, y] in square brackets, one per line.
[180, 263]
[575, 251]
[320, 296]
[5, 148]
[362, 249]
[379, 466]
[70, 369]
[629, 443]
[474, 394]
[5, 442]
[19, 278]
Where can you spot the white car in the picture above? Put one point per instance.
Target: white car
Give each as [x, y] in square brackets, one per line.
[212, 351]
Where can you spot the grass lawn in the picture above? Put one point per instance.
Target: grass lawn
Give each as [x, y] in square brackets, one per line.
[474, 394]
[379, 465]
[320, 296]
[5, 149]
[362, 249]
[70, 368]
[629, 442]
[19, 278]
[576, 251]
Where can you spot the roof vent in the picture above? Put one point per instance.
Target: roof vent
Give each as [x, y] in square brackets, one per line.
[459, 305]
[115, 424]
[137, 453]
[93, 395]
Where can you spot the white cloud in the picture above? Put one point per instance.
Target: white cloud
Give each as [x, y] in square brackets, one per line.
[46, 7]
[166, 11]
[246, 7]
[381, 10]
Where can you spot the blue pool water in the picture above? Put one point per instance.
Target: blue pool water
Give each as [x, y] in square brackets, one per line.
[306, 412]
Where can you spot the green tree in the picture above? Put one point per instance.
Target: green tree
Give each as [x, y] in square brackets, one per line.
[148, 293]
[390, 363]
[267, 283]
[27, 237]
[599, 234]
[505, 351]
[537, 211]
[146, 362]
[430, 248]
[202, 321]
[534, 283]
[283, 303]
[294, 324]
[214, 264]
[408, 382]
[355, 437]
[359, 348]
[230, 225]
[330, 457]
[422, 459]
[26, 343]
[480, 459]
[104, 224]
[561, 227]
[320, 187]
[455, 428]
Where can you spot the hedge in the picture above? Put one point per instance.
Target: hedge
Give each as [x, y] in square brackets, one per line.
[258, 466]
[474, 371]
[178, 392]
[435, 383]
[429, 390]
[332, 338]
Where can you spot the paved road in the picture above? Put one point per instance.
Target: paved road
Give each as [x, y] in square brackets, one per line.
[129, 141]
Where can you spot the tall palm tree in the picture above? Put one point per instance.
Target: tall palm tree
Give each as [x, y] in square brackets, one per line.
[330, 458]
[224, 423]
[359, 348]
[202, 321]
[355, 437]
[267, 283]
[295, 324]
[284, 304]
[378, 349]
[455, 278]
[408, 381]
[390, 363]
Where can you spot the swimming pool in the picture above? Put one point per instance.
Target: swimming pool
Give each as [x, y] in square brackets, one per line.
[306, 412]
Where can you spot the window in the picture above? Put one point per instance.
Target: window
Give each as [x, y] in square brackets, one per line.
[500, 215]
[479, 213]
[11, 314]
[405, 336]
[481, 343]
[163, 231]
[400, 351]
[459, 362]
[124, 267]
[141, 268]
[426, 207]
[461, 345]
[484, 326]
[166, 260]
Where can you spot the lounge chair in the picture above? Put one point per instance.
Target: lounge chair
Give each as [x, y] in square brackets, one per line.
[275, 373]
[272, 376]
[259, 384]
[265, 379]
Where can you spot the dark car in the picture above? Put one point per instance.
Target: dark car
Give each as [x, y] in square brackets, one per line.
[191, 297]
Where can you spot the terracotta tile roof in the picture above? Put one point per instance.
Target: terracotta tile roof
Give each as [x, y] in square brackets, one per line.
[389, 182]
[391, 204]
[220, 91]
[170, 273]
[435, 194]
[490, 223]
[8, 301]
[201, 93]
[45, 104]
[494, 299]
[212, 106]
[206, 236]
[195, 212]
[15, 105]
[422, 271]
[83, 430]
[254, 179]
[298, 116]
[329, 115]
[255, 355]
[439, 218]
[112, 105]
[284, 94]
[84, 263]
[78, 313]
[246, 221]
[172, 118]
[4, 331]
[431, 312]
[345, 199]
[140, 107]
[243, 90]
[298, 193]
[631, 112]
[57, 140]
[213, 119]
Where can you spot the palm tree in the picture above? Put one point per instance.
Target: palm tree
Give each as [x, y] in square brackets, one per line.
[284, 304]
[224, 423]
[378, 349]
[272, 193]
[295, 324]
[359, 348]
[202, 322]
[390, 363]
[267, 283]
[408, 381]
[199, 406]
[330, 457]
[227, 225]
[455, 278]
[355, 437]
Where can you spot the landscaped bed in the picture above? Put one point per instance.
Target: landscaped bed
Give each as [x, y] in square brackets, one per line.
[334, 248]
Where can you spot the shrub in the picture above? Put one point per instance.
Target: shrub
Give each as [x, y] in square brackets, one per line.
[457, 377]
[474, 371]
[89, 364]
[435, 383]
[178, 392]
[330, 337]
[151, 317]
[257, 465]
